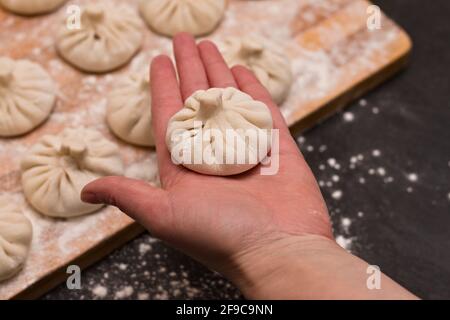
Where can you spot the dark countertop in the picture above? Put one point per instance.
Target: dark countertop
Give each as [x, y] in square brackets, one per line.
[389, 195]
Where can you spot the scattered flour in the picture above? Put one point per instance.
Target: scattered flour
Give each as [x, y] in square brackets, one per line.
[348, 116]
[331, 162]
[123, 266]
[344, 242]
[36, 51]
[388, 179]
[143, 296]
[376, 153]
[381, 171]
[162, 296]
[144, 248]
[337, 194]
[322, 148]
[346, 223]
[126, 292]
[363, 102]
[100, 291]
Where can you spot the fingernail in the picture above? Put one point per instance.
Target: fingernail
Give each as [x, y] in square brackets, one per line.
[89, 197]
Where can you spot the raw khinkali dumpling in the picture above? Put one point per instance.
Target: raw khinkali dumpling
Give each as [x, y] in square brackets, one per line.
[15, 238]
[129, 110]
[27, 96]
[146, 170]
[220, 132]
[270, 66]
[168, 17]
[108, 38]
[30, 7]
[58, 167]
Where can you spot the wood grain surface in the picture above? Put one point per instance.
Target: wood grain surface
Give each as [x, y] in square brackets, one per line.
[335, 59]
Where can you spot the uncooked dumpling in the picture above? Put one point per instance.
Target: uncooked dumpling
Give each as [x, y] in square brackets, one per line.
[168, 17]
[15, 238]
[217, 127]
[270, 65]
[129, 110]
[108, 38]
[30, 7]
[58, 167]
[146, 170]
[27, 96]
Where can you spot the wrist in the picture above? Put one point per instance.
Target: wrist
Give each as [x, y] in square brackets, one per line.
[307, 267]
[273, 269]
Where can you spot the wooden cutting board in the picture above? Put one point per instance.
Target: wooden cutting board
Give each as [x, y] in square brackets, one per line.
[335, 59]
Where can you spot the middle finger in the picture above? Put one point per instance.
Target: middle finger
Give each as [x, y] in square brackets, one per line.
[189, 64]
[219, 74]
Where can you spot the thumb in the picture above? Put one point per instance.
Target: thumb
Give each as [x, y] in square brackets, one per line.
[138, 199]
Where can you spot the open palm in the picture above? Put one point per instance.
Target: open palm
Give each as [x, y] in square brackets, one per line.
[216, 219]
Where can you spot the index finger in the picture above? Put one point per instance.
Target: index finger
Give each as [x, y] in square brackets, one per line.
[166, 101]
[217, 70]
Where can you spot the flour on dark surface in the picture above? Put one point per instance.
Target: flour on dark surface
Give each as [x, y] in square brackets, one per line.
[146, 269]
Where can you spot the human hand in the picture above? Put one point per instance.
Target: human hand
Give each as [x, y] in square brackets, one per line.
[248, 226]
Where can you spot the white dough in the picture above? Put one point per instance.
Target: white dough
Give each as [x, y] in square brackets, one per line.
[168, 17]
[27, 96]
[108, 38]
[15, 238]
[129, 110]
[31, 7]
[224, 111]
[58, 167]
[270, 65]
[146, 170]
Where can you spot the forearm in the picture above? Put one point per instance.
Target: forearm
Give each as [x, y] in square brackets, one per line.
[310, 268]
